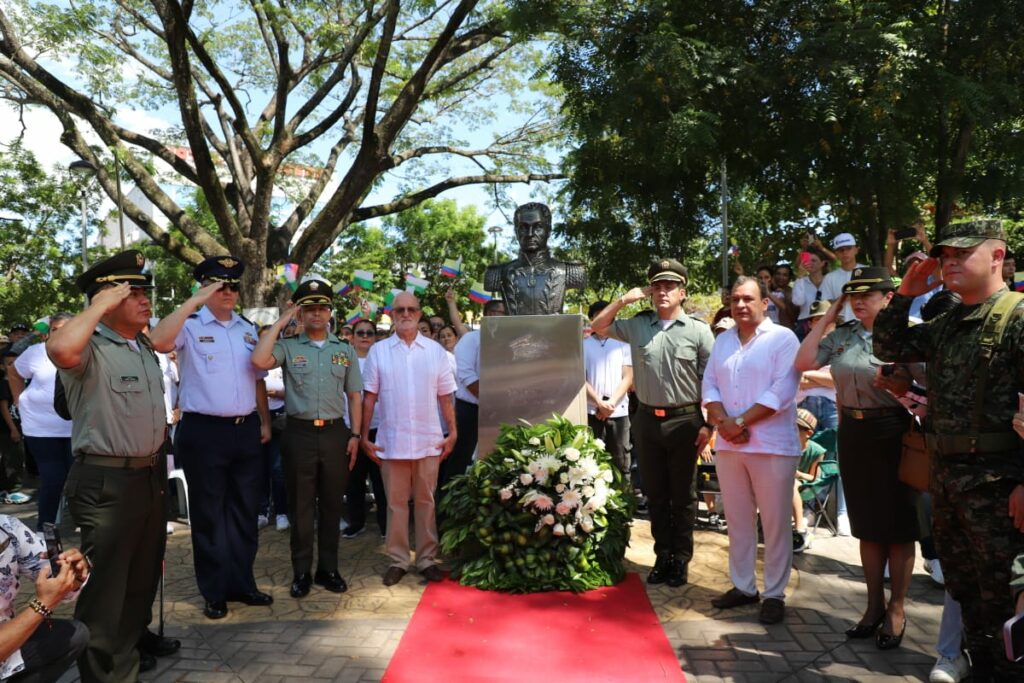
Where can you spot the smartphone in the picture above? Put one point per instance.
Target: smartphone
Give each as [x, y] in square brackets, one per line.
[1013, 638]
[51, 534]
[906, 233]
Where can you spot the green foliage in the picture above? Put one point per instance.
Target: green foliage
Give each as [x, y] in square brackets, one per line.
[503, 528]
[419, 239]
[38, 258]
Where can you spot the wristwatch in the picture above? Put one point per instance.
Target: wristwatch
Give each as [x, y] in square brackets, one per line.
[356, 436]
[740, 422]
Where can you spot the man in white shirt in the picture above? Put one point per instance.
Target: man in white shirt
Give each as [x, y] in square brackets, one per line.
[845, 247]
[609, 372]
[749, 391]
[410, 375]
[467, 401]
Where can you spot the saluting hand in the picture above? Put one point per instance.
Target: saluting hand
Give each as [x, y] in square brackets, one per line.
[109, 298]
[1016, 507]
[287, 316]
[203, 294]
[915, 282]
[634, 295]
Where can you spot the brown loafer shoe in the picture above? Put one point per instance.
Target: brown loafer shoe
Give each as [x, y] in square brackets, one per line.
[773, 611]
[432, 573]
[734, 597]
[393, 575]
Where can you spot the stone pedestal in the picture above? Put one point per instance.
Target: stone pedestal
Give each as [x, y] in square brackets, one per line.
[531, 366]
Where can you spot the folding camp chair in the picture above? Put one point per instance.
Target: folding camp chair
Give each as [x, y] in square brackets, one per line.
[820, 495]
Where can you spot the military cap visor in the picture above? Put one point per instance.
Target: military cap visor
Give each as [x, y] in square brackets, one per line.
[667, 269]
[870, 279]
[123, 268]
[968, 235]
[313, 293]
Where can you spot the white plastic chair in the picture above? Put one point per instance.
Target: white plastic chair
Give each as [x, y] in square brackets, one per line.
[179, 475]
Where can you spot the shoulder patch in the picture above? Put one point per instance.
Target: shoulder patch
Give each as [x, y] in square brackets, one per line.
[849, 323]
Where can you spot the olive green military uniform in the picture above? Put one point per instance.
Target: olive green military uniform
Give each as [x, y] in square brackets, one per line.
[871, 426]
[976, 460]
[668, 364]
[316, 380]
[115, 491]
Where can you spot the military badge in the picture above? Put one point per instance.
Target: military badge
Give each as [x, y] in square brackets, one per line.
[227, 262]
[140, 260]
[300, 361]
[250, 338]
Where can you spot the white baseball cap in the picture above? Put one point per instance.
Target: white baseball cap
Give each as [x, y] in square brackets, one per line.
[843, 239]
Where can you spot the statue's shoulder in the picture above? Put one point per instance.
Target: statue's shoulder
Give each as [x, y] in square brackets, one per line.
[492, 276]
[575, 276]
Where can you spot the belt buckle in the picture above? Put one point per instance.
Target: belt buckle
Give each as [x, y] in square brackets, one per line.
[318, 423]
[240, 420]
[973, 441]
[659, 412]
[857, 413]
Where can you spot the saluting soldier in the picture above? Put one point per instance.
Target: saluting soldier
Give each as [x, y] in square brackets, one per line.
[319, 449]
[115, 488]
[669, 350]
[224, 420]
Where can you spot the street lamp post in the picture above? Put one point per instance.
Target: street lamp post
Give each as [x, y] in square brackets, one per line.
[495, 230]
[83, 170]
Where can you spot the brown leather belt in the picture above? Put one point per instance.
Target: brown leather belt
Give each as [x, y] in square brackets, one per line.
[319, 424]
[870, 413]
[674, 411]
[119, 462]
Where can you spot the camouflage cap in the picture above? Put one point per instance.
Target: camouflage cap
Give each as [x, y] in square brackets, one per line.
[969, 234]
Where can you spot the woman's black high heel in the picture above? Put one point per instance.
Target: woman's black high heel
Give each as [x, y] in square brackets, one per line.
[886, 641]
[865, 630]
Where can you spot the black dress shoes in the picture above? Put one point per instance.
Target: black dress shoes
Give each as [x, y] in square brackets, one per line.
[888, 641]
[865, 630]
[147, 662]
[332, 581]
[660, 572]
[215, 609]
[158, 646]
[677, 574]
[254, 599]
[301, 585]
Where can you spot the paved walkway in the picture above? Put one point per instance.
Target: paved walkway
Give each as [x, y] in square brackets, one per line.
[351, 637]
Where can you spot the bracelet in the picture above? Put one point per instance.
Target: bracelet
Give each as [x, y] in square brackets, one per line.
[356, 436]
[40, 608]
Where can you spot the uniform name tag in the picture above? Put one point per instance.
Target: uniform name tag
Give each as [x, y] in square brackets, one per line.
[300, 361]
[129, 379]
[206, 340]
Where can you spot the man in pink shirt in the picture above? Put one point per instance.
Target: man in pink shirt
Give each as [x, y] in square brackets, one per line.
[410, 375]
[749, 391]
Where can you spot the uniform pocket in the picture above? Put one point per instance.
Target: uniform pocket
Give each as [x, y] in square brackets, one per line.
[127, 393]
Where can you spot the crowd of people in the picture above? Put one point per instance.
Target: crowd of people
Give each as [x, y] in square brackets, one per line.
[302, 422]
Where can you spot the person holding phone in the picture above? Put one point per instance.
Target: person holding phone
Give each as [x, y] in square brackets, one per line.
[882, 509]
[33, 645]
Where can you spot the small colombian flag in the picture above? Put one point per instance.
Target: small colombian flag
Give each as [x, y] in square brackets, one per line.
[452, 268]
[478, 294]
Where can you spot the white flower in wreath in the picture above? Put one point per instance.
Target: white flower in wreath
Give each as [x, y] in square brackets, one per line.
[599, 443]
[539, 472]
[588, 491]
[548, 519]
[560, 487]
[608, 476]
[571, 498]
[534, 441]
[563, 508]
[587, 524]
[570, 530]
[506, 494]
[563, 477]
[526, 479]
[549, 462]
[577, 476]
[509, 461]
[558, 530]
[572, 454]
[590, 466]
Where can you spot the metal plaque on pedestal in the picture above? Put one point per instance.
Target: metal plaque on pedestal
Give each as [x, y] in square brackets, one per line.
[531, 366]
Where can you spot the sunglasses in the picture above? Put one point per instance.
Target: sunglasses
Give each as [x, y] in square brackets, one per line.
[364, 333]
[230, 286]
[402, 310]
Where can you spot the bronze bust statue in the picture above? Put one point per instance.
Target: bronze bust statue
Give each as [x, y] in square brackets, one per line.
[534, 283]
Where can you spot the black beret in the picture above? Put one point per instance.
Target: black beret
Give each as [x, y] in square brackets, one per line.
[219, 269]
[124, 267]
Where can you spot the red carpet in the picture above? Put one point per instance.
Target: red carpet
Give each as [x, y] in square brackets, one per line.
[465, 634]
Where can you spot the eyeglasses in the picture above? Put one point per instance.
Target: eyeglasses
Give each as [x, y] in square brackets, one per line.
[230, 286]
[402, 310]
[364, 333]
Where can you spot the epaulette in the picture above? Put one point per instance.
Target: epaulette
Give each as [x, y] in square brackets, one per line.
[193, 315]
[699, 319]
[248, 321]
[145, 341]
[848, 323]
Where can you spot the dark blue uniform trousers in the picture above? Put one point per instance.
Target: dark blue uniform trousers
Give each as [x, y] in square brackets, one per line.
[223, 465]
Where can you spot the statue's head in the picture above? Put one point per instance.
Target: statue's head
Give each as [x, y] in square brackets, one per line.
[533, 226]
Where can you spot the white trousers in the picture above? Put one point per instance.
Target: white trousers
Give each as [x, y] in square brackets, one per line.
[752, 482]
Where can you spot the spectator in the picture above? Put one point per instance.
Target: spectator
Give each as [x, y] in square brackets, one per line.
[47, 434]
[36, 647]
[453, 313]
[436, 322]
[883, 510]
[808, 289]
[411, 376]
[609, 375]
[669, 352]
[448, 338]
[1010, 269]
[467, 392]
[780, 295]
[275, 498]
[845, 247]
[749, 389]
[355, 495]
[345, 333]
[423, 327]
[12, 453]
[811, 455]
[724, 311]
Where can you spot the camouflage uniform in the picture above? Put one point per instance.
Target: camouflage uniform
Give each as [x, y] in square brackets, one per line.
[976, 540]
